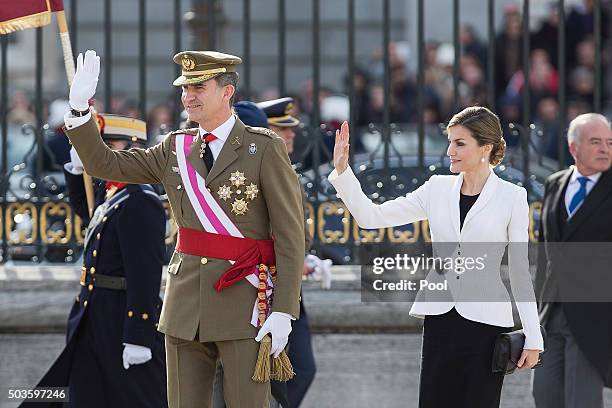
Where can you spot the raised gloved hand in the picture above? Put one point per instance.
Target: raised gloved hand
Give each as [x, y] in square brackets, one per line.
[279, 326]
[75, 161]
[135, 354]
[85, 80]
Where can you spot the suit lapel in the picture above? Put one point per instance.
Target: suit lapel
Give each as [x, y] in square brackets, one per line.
[553, 216]
[194, 157]
[228, 153]
[598, 194]
[487, 192]
[453, 204]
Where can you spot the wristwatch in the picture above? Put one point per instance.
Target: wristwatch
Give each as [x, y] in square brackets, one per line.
[79, 114]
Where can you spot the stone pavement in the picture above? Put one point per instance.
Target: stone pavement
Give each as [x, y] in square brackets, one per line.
[353, 370]
[38, 298]
[367, 354]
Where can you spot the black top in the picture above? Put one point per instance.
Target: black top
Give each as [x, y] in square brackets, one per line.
[465, 203]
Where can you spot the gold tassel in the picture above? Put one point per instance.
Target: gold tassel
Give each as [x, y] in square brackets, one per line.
[262, 367]
[21, 23]
[282, 370]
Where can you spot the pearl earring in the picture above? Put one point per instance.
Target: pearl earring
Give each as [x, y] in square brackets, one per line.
[482, 159]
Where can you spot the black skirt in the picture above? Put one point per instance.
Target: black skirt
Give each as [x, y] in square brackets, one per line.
[456, 363]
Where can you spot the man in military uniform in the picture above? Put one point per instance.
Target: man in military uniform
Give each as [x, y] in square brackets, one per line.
[114, 355]
[300, 351]
[235, 198]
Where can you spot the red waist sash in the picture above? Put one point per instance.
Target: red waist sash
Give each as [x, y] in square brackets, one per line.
[247, 252]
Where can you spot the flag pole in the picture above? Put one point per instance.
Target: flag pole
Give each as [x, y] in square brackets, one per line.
[69, 65]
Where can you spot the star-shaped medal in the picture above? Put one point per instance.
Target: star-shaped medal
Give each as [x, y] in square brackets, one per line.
[224, 192]
[251, 191]
[239, 206]
[237, 178]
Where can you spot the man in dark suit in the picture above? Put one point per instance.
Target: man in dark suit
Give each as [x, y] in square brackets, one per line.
[573, 274]
[114, 355]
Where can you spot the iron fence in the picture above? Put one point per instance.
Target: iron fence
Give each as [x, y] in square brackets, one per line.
[392, 158]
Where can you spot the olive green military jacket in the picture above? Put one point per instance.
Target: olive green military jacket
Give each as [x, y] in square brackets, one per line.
[191, 304]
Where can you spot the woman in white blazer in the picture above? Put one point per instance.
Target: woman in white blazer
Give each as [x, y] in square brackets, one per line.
[478, 213]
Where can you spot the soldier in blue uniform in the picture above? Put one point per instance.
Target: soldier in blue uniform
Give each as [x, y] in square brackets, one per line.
[114, 355]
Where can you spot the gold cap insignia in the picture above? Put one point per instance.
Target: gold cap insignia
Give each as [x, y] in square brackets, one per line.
[289, 108]
[188, 62]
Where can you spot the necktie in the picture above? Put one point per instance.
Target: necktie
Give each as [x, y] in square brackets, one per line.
[208, 156]
[579, 196]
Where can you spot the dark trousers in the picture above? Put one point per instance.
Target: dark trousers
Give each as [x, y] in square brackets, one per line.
[98, 379]
[301, 356]
[456, 363]
[567, 379]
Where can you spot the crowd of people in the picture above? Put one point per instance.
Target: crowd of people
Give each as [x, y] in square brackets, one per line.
[439, 98]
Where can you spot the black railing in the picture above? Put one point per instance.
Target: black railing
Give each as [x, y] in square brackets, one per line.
[394, 152]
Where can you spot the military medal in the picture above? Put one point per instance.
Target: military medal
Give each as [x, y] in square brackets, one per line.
[239, 206]
[237, 178]
[252, 149]
[244, 194]
[202, 148]
[251, 191]
[225, 192]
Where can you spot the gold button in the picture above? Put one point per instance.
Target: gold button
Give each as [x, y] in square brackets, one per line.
[203, 261]
[95, 253]
[116, 206]
[83, 268]
[104, 219]
[209, 190]
[130, 313]
[92, 270]
[90, 287]
[85, 304]
[179, 187]
[98, 235]
[145, 316]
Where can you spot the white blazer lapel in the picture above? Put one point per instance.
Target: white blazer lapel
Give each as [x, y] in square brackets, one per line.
[488, 191]
[453, 203]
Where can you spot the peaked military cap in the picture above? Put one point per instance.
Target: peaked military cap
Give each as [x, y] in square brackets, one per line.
[200, 66]
[279, 112]
[115, 127]
[251, 114]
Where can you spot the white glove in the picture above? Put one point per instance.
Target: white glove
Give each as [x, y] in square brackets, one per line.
[85, 80]
[135, 354]
[321, 270]
[279, 326]
[76, 165]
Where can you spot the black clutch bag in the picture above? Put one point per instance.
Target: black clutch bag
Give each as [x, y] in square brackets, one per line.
[508, 349]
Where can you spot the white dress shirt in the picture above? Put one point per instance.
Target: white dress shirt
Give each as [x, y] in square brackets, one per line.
[574, 186]
[222, 132]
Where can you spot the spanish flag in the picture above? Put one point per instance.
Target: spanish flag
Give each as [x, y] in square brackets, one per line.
[21, 14]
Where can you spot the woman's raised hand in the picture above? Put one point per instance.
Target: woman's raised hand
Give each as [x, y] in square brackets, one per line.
[341, 148]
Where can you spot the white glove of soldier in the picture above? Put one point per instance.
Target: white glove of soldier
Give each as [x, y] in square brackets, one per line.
[135, 354]
[319, 270]
[279, 326]
[85, 80]
[75, 165]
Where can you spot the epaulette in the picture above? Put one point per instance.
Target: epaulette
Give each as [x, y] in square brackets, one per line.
[191, 131]
[262, 131]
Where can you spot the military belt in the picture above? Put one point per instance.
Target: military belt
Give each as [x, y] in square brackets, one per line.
[105, 281]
